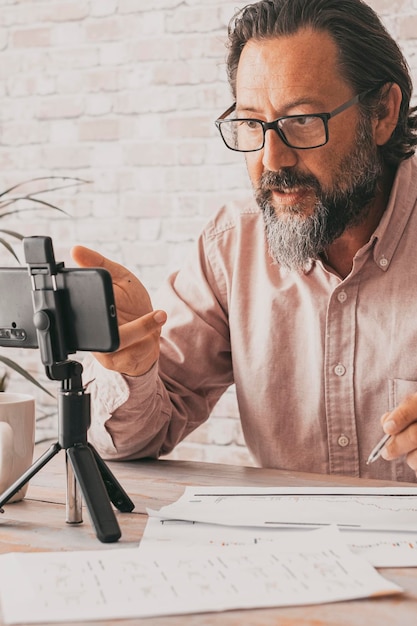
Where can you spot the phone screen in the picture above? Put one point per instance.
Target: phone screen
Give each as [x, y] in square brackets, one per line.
[89, 319]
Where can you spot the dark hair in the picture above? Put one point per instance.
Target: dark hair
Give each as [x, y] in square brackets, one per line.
[368, 55]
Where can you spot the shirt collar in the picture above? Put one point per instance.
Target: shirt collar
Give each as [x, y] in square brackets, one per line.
[401, 203]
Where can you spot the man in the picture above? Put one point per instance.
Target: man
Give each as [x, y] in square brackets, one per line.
[307, 299]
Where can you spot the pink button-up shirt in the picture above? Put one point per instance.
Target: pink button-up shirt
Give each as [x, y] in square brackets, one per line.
[316, 360]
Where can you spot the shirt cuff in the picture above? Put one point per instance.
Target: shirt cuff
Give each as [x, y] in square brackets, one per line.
[113, 389]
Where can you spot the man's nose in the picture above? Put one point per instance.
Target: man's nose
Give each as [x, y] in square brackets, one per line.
[276, 155]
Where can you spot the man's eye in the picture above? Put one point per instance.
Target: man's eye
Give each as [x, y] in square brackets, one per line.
[251, 124]
[304, 120]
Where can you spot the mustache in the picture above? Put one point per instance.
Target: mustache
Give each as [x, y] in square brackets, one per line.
[285, 180]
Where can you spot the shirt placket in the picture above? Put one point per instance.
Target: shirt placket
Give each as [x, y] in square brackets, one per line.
[339, 383]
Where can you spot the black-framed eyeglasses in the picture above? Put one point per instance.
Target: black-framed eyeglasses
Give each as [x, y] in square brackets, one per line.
[302, 132]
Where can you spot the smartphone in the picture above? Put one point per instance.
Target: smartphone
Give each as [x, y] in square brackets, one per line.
[88, 311]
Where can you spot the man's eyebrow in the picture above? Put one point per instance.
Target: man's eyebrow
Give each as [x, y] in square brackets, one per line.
[316, 104]
[240, 110]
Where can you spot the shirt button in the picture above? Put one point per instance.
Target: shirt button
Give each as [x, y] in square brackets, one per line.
[340, 370]
[342, 296]
[343, 441]
[383, 261]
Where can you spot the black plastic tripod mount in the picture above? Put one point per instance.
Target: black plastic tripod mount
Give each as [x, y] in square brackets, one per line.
[85, 467]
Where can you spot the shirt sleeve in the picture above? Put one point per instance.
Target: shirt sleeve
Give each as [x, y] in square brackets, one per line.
[129, 415]
[136, 417]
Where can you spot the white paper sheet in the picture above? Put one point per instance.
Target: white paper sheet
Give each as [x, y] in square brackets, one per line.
[346, 507]
[125, 583]
[384, 549]
[379, 548]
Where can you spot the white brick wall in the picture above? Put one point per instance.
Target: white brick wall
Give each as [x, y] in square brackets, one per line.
[124, 93]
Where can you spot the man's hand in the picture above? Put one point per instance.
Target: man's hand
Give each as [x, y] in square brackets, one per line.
[401, 423]
[139, 326]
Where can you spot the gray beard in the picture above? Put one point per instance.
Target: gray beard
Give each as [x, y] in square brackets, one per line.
[293, 242]
[296, 239]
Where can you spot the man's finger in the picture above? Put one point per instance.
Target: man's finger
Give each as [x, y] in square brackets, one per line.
[402, 416]
[136, 330]
[85, 257]
[143, 334]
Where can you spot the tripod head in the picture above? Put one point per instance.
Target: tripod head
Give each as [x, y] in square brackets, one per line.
[48, 310]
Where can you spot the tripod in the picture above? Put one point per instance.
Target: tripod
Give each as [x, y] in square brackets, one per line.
[85, 467]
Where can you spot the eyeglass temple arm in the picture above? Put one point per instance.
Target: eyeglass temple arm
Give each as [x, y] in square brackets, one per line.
[355, 100]
[228, 111]
[347, 105]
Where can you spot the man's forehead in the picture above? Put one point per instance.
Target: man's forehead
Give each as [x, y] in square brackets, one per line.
[306, 61]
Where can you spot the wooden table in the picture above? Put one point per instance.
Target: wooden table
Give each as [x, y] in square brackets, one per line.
[38, 524]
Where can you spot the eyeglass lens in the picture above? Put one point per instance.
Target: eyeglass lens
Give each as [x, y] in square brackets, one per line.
[302, 131]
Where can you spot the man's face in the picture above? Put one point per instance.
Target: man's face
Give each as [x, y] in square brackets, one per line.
[308, 197]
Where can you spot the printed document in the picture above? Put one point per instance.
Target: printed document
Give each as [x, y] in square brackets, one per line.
[262, 515]
[349, 508]
[126, 583]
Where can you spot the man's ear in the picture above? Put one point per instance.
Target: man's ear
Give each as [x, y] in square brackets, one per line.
[386, 123]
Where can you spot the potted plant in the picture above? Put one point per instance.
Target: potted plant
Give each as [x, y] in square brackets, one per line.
[15, 200]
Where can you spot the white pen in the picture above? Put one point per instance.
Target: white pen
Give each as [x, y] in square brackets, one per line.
[376, 452]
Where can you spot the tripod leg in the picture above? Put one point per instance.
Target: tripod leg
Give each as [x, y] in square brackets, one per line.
[116, 492]
[74, 505]
[18, 484]
[94, 492]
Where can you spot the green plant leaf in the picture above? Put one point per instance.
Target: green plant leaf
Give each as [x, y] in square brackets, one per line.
[6, 199]
[22, 210]
[12, 233]
[8, 247]
[20, 370]
[74, 182]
